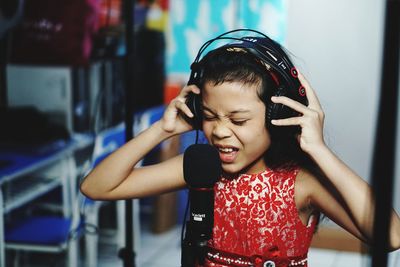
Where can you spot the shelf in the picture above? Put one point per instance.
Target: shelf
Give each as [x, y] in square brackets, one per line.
[26, 189]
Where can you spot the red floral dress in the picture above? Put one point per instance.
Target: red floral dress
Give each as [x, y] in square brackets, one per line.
[256, 215]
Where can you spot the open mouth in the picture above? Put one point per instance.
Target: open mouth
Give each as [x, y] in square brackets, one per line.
[227, 154]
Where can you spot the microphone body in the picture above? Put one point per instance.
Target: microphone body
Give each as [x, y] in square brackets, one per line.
[202, 168]
[202, 211]
[199, 227]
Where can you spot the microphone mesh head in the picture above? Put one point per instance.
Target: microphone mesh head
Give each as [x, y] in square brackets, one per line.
[201, 166]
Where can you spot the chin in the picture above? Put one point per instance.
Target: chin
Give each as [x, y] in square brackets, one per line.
[231, 168]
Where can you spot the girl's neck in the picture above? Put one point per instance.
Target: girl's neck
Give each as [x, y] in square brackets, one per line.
[242, 172]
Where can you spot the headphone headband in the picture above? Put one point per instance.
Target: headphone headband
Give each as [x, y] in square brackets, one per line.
[263, 48]
[222, 37]
[270, 54]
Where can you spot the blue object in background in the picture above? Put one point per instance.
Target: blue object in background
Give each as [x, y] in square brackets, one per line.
[194, 22]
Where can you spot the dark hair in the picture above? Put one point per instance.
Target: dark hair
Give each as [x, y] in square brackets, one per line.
[222, 65]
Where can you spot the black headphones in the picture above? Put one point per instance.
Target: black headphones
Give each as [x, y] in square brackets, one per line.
[272, 56]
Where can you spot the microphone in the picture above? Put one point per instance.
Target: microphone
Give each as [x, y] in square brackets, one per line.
[201, 169]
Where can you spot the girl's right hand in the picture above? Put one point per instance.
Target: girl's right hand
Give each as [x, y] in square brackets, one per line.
[173, 120]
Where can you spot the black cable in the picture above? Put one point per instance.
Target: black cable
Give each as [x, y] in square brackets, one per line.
[221, 37]
[184, 220]
[197, 137]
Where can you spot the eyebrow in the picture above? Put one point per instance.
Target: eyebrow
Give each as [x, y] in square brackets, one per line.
[230, 113]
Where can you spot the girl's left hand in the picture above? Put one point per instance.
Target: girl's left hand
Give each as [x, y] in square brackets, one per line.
[311, 121]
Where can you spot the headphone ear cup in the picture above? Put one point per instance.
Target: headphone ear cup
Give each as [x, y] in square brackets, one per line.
[194, 104]
[276, 111]
[194, 100]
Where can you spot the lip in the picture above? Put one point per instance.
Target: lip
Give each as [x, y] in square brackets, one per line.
[227, 157]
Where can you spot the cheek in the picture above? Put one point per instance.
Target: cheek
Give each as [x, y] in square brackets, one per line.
[253, 135]
[266, 139]
[207, 129]
[259, 139]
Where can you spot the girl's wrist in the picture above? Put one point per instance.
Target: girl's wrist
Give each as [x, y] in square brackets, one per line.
[161, 132]
[318, 151]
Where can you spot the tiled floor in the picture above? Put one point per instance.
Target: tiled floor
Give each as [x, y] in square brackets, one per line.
[155, 250]
[331, 258]
[164, 250]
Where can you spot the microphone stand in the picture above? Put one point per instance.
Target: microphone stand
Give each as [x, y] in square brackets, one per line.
[188, 258]
[385, 139]
[194, 247]
[127, 254]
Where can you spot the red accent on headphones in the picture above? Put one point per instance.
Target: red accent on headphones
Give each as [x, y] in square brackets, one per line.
[294, 72]
[302, 90]
[274, 77]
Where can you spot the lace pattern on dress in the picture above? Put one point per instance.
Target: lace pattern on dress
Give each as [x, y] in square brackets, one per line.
[253, 213]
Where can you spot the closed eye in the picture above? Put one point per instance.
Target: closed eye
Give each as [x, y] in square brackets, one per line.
[209, 118]
[239, 122]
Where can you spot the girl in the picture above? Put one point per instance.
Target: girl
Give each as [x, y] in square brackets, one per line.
[274, 185]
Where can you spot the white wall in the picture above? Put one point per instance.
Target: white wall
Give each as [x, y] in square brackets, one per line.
[338, 46]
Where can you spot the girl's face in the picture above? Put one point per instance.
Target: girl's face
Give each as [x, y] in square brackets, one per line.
[234, 122]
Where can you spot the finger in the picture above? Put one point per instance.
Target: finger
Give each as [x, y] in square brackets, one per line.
[293, 104]
[186, 91]
[310, 93]
[181, 106]
[287, 122]
[190, 89]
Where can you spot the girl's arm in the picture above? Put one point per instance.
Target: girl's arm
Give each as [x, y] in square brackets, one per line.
[356, 196]
[116, 176]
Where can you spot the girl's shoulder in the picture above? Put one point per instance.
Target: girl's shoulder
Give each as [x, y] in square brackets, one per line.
[304, 185]
[286, 170]
[305, 175]
[305, 180]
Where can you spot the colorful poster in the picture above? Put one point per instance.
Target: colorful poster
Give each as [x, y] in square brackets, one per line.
[193, 22]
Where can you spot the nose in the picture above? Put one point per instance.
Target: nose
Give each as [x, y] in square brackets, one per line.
[221, 130]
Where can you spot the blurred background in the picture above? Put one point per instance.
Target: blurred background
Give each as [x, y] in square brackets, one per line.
[63, 87]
